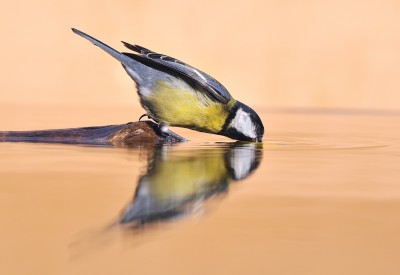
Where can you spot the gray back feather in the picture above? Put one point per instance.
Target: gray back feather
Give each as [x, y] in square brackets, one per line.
[211, 86]
[141, 68]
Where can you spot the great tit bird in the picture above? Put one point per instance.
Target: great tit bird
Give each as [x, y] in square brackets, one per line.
[178, 182]
[176, 94]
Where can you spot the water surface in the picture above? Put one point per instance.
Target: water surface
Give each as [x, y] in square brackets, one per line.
[321, 195]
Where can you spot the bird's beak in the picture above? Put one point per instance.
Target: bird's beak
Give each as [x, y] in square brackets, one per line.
[259, 138]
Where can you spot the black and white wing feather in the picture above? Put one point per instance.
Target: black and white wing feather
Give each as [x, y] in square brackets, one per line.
[214, 89]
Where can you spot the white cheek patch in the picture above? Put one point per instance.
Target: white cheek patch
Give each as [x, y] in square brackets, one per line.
[243, 124]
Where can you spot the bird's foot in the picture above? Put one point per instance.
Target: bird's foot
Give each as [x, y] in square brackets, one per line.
[169, 135]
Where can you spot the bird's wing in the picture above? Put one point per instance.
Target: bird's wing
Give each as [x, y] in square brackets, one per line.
[213, 88]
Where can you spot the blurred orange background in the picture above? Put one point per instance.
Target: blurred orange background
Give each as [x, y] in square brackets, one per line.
[339, 54]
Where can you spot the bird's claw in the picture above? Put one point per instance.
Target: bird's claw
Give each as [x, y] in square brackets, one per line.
[143, 116]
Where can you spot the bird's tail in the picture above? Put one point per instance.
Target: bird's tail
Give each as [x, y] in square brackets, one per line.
[126, 61]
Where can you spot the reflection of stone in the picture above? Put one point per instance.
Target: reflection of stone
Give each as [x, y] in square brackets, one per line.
[177, 182]
[125, 134]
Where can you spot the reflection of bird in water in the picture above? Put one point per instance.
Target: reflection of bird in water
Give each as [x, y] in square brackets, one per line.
[176, 183]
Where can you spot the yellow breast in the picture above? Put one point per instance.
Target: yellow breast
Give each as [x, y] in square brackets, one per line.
[188, 108]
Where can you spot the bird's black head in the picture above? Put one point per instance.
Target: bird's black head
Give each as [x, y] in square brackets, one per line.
[243, 124]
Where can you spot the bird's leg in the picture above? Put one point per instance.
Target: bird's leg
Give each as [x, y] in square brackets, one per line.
[164, 129]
